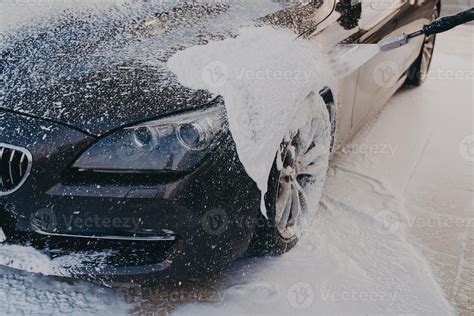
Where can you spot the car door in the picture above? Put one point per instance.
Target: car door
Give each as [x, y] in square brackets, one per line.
[354, 22]
[368, 87]
[383, 74]
[379, 77]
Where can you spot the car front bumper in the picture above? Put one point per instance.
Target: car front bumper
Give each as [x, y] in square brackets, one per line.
[178, 226]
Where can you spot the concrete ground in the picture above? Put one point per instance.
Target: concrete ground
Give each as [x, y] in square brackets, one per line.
[433, 168]
[440, 188]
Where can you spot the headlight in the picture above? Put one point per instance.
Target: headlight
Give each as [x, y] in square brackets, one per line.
[175, 143]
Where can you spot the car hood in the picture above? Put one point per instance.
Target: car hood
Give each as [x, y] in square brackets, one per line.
[98, 66]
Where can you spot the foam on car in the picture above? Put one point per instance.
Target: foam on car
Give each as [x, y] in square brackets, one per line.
[268, 80]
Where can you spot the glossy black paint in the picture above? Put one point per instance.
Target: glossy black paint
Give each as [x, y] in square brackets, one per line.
[210, 210]
[177, 205]
[122, 95]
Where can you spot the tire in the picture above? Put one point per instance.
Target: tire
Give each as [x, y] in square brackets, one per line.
[418, 72]
[304, 162]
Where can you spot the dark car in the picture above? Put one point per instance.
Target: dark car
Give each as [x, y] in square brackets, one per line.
[103, 151]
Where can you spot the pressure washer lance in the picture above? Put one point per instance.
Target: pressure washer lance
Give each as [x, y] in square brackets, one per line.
[437, 26]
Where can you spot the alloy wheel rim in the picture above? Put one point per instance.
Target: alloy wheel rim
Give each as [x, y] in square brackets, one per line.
[300, 168]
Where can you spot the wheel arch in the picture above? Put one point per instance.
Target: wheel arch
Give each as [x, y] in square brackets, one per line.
[328, 98]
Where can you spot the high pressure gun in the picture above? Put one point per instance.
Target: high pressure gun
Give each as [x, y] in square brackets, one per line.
[437, 26]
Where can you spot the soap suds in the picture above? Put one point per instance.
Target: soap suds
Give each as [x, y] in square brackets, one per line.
[32, 260]
[353, 260]
[2, 235]
[269, 81]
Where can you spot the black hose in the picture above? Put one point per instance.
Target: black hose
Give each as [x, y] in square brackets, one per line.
[448, 22]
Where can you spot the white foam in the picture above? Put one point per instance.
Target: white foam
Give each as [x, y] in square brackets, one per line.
[31, 260]
[353, 260]
[24, 293]
[2, 235]
[15, 14]
[268, 80]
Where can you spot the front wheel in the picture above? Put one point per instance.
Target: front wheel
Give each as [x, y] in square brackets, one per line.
[295, 186]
